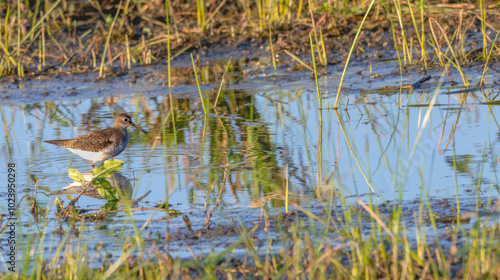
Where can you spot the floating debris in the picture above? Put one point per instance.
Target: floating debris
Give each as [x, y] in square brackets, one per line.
[418, 84]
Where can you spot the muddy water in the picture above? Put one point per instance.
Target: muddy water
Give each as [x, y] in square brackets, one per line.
[267, 130]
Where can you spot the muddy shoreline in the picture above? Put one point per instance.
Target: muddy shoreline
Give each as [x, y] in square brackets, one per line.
[80, 47]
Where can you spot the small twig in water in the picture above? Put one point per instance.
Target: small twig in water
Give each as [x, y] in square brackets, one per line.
[209, 215]
[189, 248]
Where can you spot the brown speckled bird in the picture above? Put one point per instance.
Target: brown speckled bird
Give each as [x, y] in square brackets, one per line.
[102, 144]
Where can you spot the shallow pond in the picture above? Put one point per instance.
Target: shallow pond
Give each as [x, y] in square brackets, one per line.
[266, 133]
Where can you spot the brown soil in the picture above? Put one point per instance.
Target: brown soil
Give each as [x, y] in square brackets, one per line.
[80, 32]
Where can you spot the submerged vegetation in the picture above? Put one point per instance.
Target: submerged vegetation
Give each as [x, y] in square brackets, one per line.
[341, 237]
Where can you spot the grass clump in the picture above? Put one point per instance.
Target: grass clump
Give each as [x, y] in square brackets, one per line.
[39, 37]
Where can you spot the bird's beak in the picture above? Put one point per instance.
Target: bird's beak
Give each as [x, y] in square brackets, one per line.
[138, 128]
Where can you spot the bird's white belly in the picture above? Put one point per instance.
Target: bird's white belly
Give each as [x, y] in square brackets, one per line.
[87, 155]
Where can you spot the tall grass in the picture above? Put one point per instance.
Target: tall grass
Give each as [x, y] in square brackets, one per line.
[202, 99]
[272, 49]
[315, 72]
[455, 61]
[346, 63]
[200, 10]
[107, 44]
[487, 59]
[8, 61]
[17, 48]
[20, 68]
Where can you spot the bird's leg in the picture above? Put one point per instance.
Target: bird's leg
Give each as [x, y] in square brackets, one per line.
[93, 165]
[113, 154]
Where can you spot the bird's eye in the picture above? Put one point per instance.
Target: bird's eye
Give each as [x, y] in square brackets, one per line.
[126, 120]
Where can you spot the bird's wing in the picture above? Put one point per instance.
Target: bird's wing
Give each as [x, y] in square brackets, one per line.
[91, 142]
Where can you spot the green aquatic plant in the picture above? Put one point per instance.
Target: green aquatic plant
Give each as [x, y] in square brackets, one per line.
[99, 176]
[198, 85]
[272, 49]
[222, 83]
[337, 98]
[35, 208]
[315, 71]
[107, 45]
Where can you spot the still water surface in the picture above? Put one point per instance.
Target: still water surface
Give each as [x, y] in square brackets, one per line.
[260, 136]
